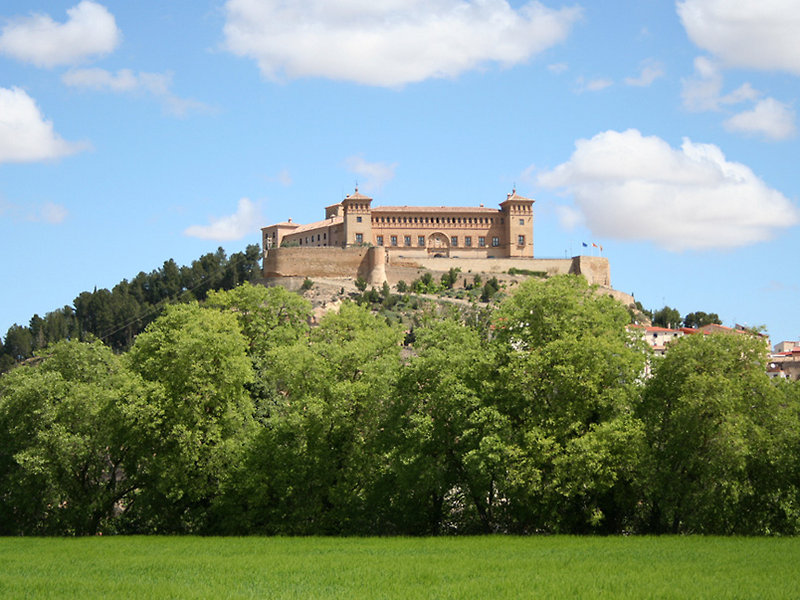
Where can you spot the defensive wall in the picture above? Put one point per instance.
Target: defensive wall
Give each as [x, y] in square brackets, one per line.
[376, 265]
[366, 262]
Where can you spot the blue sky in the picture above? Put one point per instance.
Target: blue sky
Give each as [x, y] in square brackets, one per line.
[131, 133]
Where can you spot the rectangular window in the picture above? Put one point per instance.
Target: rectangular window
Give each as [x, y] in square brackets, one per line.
[482, 242]
[359, 238]
[454, 241]
[394, 240]
[522, 221]
[379, 240]
[521, 240]
[421, 241]
[468, 241]
[407, 240]
[358, 219]
[495, 242]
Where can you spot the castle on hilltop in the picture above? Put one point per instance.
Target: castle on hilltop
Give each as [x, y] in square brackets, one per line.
[390, 243]
[416, 231]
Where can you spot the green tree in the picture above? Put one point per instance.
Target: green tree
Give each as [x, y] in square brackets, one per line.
[719, 435]
[425, 284]
[449, 279]
[198, 357]
[76, 431]
[571, 381]
[490, 288]
[18, 342]
[271, 319]
[313, 466]
[667, 317]
[446, 442]
[700, 318]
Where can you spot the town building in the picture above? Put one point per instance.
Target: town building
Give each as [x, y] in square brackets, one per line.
[784, 361]
[658, 337]
[416, 231]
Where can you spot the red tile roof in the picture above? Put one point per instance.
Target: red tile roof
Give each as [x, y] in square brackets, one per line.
[317, 225]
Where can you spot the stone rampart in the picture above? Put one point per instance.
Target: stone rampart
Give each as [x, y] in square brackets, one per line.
[594, 268]
[376, 265]
[324, 262]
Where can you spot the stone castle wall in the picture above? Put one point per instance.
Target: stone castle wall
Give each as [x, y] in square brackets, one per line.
[376, 265]
[366, 262]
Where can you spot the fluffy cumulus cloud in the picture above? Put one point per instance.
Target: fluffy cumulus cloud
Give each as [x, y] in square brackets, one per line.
[25, 136]
[244, 221]
[124, 81]
[392, 42]
[769, 118]
[629, 186]
[758, 34]
[373, 175]
[90, 30]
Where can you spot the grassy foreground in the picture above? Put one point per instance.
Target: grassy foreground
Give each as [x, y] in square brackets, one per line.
[479, 567]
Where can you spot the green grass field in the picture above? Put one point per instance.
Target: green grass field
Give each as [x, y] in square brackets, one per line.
[478, 567]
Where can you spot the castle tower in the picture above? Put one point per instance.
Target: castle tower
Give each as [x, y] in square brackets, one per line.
[357, 215]
[518, 227]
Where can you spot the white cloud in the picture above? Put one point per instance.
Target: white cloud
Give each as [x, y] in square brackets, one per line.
[283, 177]
[90, 30]
[628, 186]
[703, 91]
[650, 71]
[593, 85]
[25, 136]
[758, 34]
[244, 221]
[53, 213]
[375, 175]
[769, 117]
[392, 42]
[126, 81]
[569, 217]
[49, 212]
[558, 68]
[772, 119]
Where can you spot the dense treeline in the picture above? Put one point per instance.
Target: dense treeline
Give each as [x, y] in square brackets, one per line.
[116, 316]
[237, 417]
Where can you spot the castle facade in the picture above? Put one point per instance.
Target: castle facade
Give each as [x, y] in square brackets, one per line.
[416, 231]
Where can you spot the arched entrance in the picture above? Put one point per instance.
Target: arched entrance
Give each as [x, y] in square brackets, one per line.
[438, 244]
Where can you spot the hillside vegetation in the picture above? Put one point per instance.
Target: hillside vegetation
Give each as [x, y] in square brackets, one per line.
[237, 416]
[117, 315]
